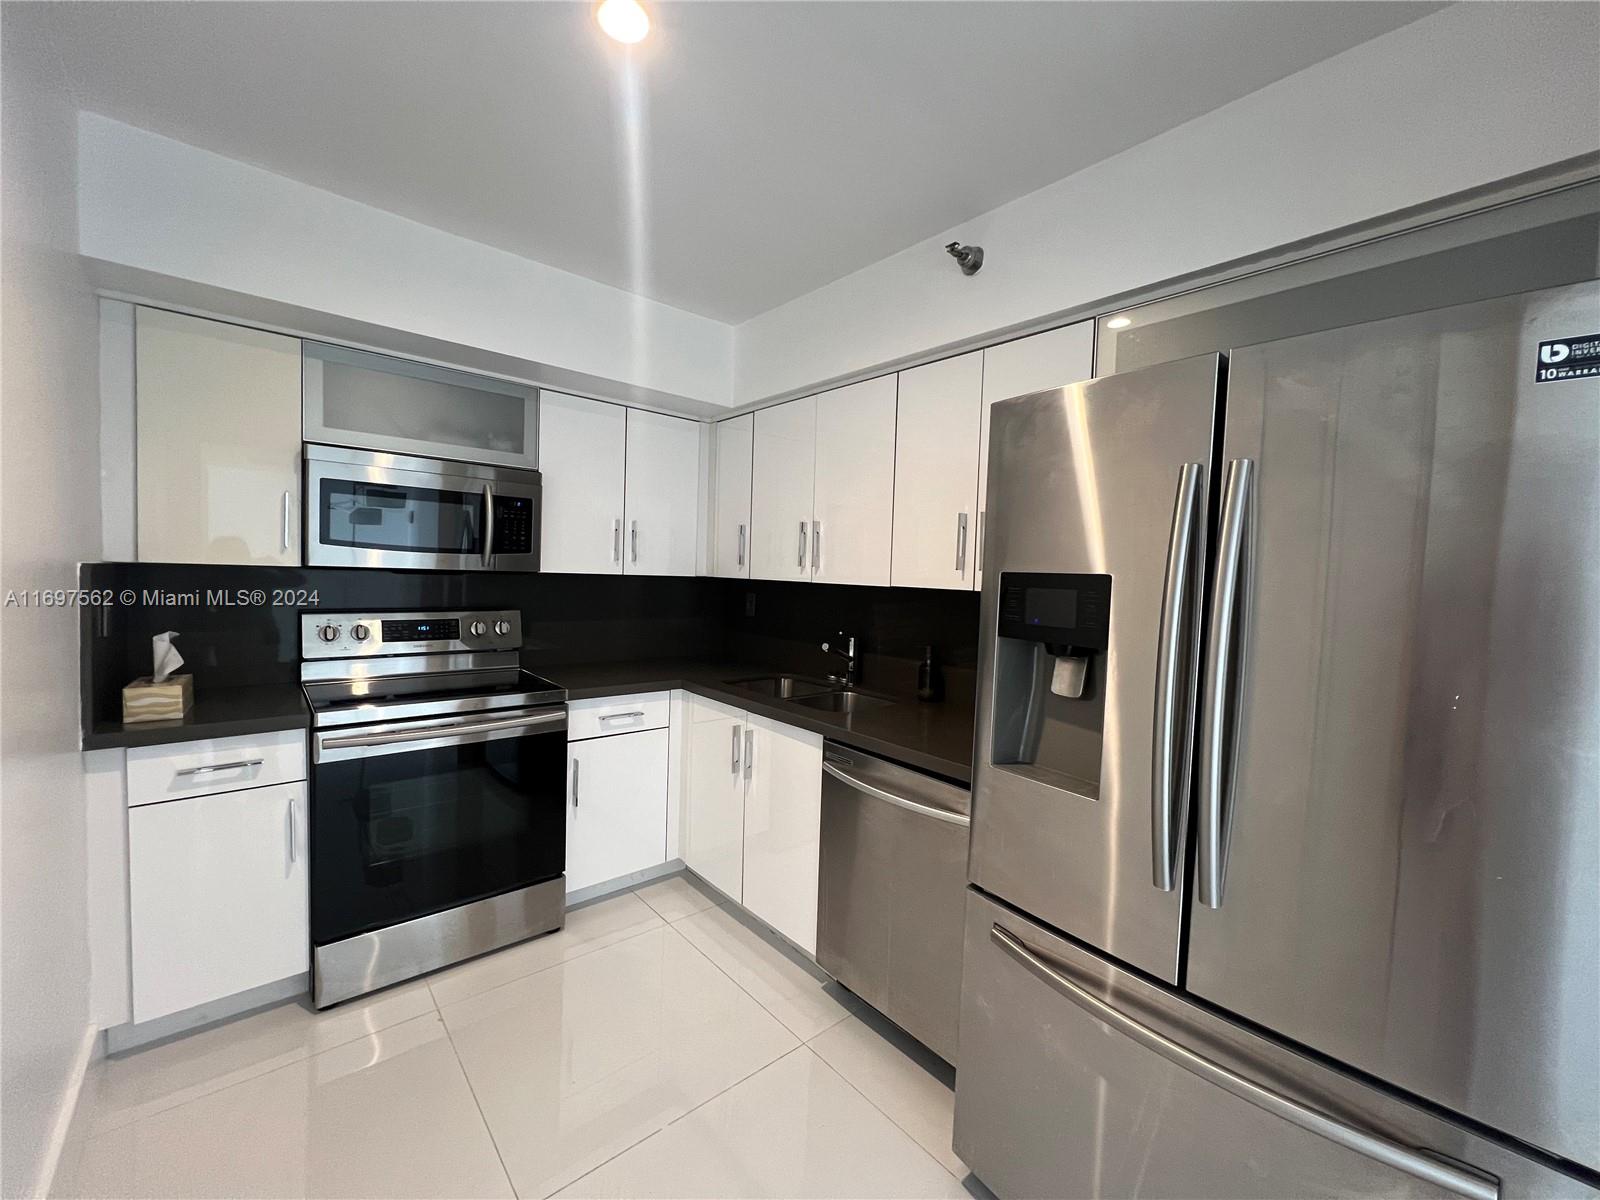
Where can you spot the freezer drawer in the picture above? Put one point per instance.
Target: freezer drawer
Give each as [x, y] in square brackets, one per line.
[892, 890]
[1155, 1096]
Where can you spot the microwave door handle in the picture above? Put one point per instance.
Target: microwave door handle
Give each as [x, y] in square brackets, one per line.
[488, 524]
[1174, 683]
[1229, 611]
[1413, 1162]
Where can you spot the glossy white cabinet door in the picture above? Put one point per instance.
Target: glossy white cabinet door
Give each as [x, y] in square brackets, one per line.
[713, 802]
[218, 419]
[781, 489]
[662, 508]
[936, 473]
[217, 896]
[616, 806]
[853, 503]
[730, 524]
[582, 445]
[783, 829]
[1032, 364]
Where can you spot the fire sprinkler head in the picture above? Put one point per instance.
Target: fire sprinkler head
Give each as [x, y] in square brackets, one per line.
[970, 257]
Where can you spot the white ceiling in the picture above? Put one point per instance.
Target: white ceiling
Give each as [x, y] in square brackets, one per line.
[782, 145]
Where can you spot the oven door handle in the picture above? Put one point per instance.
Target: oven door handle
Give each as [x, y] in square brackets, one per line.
[419, 733]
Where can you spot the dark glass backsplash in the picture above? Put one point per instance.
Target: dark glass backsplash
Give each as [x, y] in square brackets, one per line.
[565, 618]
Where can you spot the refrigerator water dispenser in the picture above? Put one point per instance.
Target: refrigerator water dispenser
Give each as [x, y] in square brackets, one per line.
[1050, 665]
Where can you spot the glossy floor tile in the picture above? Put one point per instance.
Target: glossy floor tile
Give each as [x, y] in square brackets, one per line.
[912, 1086]
[794, 1129]
[677, 896]
[121, 1089]
[587, 929]
[387, 1115]
[799, 996]
[579, 1062]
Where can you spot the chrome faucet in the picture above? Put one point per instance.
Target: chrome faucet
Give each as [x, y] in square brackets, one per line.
[852, 665]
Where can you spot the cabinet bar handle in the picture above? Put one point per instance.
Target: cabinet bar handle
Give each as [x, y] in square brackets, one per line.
[294, 853]
[244, 764]
[961, 543]
[616, 540]
[577, 765]
[749, 751]
[286, 530]
[801, 564]
[638, 712]
[741, 544]
[634, 536]
[735, 731]
[816, 545]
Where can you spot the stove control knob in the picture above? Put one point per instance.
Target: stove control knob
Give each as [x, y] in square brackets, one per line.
[360, 632]
[477, 629]
[501, 628]
[328, 633]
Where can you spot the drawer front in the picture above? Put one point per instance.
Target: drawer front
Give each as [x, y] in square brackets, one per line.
[617, 714]
[157, 773]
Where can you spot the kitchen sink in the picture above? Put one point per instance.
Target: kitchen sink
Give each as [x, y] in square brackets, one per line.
[842, 701]
[781, 687]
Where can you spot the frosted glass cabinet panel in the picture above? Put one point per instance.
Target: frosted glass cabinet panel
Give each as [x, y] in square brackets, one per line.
[374, 402]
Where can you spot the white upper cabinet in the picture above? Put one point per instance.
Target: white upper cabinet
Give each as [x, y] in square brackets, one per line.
[936, 473]
[661, 517]
[781, 490]
[218, 419]
[783, 828]
[582, 451]
[853, 496]
[730, 520]
[1031, 364]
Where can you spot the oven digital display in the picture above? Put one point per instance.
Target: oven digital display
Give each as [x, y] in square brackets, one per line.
[422, 631]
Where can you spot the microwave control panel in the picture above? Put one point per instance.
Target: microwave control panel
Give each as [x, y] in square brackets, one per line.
[514, 518]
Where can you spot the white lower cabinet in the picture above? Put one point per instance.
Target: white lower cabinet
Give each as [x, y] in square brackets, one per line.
[713, 816]
[217, 896]
[616, 806]
[783, 828]
[752, 814]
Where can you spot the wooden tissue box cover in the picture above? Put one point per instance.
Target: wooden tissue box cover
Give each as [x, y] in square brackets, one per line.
[169, 700]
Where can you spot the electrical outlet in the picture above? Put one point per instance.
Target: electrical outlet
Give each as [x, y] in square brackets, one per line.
[749, 604]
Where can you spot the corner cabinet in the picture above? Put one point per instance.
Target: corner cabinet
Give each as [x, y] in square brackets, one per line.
[218, 441]
[616, 805]
[713, 816]
[730, 511]
[783, 474]
[661, 494]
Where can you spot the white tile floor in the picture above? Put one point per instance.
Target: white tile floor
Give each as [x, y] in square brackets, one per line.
[656, 1046]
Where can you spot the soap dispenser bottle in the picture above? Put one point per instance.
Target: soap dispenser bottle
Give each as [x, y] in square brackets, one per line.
[930, 681]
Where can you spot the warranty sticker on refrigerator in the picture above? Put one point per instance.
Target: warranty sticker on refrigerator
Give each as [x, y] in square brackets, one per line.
[1568, 358]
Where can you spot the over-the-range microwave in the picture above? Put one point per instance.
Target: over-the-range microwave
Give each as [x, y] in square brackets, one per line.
[365, 508]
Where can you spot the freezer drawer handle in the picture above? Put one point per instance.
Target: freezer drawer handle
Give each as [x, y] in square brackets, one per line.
[1175, 682]
[1416, 1163]
[861, 785]
[1230, 610]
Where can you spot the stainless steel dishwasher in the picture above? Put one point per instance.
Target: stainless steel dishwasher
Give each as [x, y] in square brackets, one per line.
[891, 891]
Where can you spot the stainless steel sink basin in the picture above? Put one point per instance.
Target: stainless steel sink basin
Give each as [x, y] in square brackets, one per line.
[781, 687]
[842, 702]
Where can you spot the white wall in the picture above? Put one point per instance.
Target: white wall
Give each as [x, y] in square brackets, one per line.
[1467, 96]
[49, 519]
[157, 204]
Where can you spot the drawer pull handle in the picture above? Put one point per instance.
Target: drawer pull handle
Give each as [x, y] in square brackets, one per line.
[638, 712]
[243, 764]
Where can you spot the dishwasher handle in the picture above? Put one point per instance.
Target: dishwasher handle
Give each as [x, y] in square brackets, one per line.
[861, 785]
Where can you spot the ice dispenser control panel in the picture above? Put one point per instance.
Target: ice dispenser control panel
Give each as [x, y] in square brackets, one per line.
[1069, 614]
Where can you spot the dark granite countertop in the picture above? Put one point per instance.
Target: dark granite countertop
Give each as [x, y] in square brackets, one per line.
[933, 737]
[217, 712]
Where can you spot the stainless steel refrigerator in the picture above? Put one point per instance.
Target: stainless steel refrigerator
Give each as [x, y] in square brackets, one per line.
[1285, 852]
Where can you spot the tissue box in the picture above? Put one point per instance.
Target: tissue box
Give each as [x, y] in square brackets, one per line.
[146, 700]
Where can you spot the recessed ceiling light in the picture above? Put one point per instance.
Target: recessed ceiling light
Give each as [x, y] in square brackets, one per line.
[624, 20]
[1119, 322]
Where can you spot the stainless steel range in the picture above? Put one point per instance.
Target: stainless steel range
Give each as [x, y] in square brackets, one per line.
[439, 766]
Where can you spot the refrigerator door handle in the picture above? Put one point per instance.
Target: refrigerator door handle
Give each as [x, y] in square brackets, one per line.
[1169, 794]
[1417, 1163]
[1230, 597]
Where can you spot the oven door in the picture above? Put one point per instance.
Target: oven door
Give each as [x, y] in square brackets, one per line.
[412, 818]
[368, 509]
